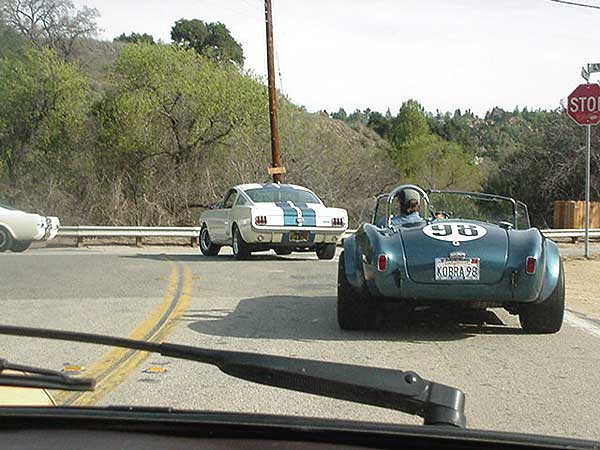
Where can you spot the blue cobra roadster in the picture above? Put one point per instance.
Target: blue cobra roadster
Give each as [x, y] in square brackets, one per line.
[455, 249]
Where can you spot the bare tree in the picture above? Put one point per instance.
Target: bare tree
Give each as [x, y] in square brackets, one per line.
[53, 23]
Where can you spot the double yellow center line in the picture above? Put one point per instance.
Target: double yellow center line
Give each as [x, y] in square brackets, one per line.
[115, 366]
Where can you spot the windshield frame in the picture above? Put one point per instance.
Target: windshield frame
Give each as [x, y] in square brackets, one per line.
[247, 195]
[511, 200]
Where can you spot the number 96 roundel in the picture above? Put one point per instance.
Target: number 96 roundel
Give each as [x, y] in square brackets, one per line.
[455, 231]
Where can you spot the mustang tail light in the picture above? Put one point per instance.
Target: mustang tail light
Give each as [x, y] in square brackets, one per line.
[530, 266]
[382, 263]
[260, 220]
[337, 222]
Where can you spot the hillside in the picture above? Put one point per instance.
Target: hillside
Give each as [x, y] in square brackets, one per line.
[150, 134]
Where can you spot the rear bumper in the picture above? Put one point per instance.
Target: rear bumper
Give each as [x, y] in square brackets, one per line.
[393, 288]
[282, 236]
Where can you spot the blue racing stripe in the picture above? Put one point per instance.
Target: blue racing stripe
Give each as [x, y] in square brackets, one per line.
[309, 215]
[289, 214]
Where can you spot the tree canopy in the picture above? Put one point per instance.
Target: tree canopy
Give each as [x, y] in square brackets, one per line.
[54, 23]
[44, 101]
[135, 38]
[209, 39]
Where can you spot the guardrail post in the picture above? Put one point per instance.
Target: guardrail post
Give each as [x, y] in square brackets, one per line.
[79, 241]
[138, 241]
[195, 241]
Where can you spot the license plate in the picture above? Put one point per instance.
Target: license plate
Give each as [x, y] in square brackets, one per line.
[447, 269]
[297, 236]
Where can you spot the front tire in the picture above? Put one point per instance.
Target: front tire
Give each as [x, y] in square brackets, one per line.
[6, 240]
[206, 245]
[241, 250]
[546, 317]
[326, 251]
[20, 246]
[356, 309]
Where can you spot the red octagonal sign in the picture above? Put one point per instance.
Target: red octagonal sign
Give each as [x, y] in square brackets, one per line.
[583, 105]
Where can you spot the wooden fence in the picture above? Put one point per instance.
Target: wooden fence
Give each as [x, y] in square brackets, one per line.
[571, 214]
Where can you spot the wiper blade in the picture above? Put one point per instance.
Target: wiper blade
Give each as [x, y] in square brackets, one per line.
[403, 391]
[35, 377]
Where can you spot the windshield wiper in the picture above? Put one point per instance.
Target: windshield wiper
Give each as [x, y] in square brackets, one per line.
[35, 377]
[404, 391]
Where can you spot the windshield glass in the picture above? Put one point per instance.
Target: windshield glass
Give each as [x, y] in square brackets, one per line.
[134, 127]
[282, 194]
[473, 207]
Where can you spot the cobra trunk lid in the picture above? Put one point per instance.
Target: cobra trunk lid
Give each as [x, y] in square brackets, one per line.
[448, 241]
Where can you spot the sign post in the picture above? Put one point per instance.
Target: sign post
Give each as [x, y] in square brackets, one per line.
[583, 106]
[587, 190]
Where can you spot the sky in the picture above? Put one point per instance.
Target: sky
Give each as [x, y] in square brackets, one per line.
[448, 55]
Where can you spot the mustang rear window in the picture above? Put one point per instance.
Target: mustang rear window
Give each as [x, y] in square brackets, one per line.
[283, 194]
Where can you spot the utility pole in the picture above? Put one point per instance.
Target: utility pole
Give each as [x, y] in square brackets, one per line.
[276, 170]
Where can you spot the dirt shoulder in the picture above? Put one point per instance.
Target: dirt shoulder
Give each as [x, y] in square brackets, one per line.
[583, 286]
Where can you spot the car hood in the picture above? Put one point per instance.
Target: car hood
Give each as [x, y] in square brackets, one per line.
[424, 243]
[19, 396]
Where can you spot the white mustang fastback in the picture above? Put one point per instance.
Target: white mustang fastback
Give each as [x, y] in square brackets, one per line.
[282, 217]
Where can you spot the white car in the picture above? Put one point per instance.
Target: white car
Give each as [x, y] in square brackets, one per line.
[282, 217]
[19, 229]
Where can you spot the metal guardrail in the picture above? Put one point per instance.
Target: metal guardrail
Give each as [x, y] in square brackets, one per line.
[570, 233]
[86, 231]
[93, 231]
[192, 233]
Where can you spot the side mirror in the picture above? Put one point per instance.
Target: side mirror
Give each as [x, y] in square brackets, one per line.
[443, 214]
[506, 225]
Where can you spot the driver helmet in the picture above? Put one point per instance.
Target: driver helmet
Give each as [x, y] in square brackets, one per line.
[410, 200]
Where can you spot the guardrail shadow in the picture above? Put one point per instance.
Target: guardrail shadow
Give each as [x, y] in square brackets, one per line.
[302, 318]
[199, 258]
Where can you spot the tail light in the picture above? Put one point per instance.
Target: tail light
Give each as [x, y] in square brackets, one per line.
[337, 222]
[260, 220]
[530, 266]
[382, 263]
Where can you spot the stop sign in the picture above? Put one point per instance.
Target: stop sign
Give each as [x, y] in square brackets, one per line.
[583, 105]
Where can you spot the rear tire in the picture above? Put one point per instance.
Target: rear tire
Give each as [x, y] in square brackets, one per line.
[241, 250]
[20, 246]
[546, 317]
[6, 240]
[284, 251]
[326, 251]
[356, 309]
[206, 245]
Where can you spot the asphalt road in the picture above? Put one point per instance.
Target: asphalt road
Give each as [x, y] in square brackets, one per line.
[284, 306]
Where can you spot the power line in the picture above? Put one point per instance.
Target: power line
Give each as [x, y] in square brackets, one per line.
[239, 11]
[252, 6]
[565, 2]
[279, 71]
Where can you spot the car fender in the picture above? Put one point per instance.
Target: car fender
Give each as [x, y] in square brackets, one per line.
[552, 268]
[360, 253]
[527, 243]
[3, 224]
[24, 226]
[351, 257]
[242, 217]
